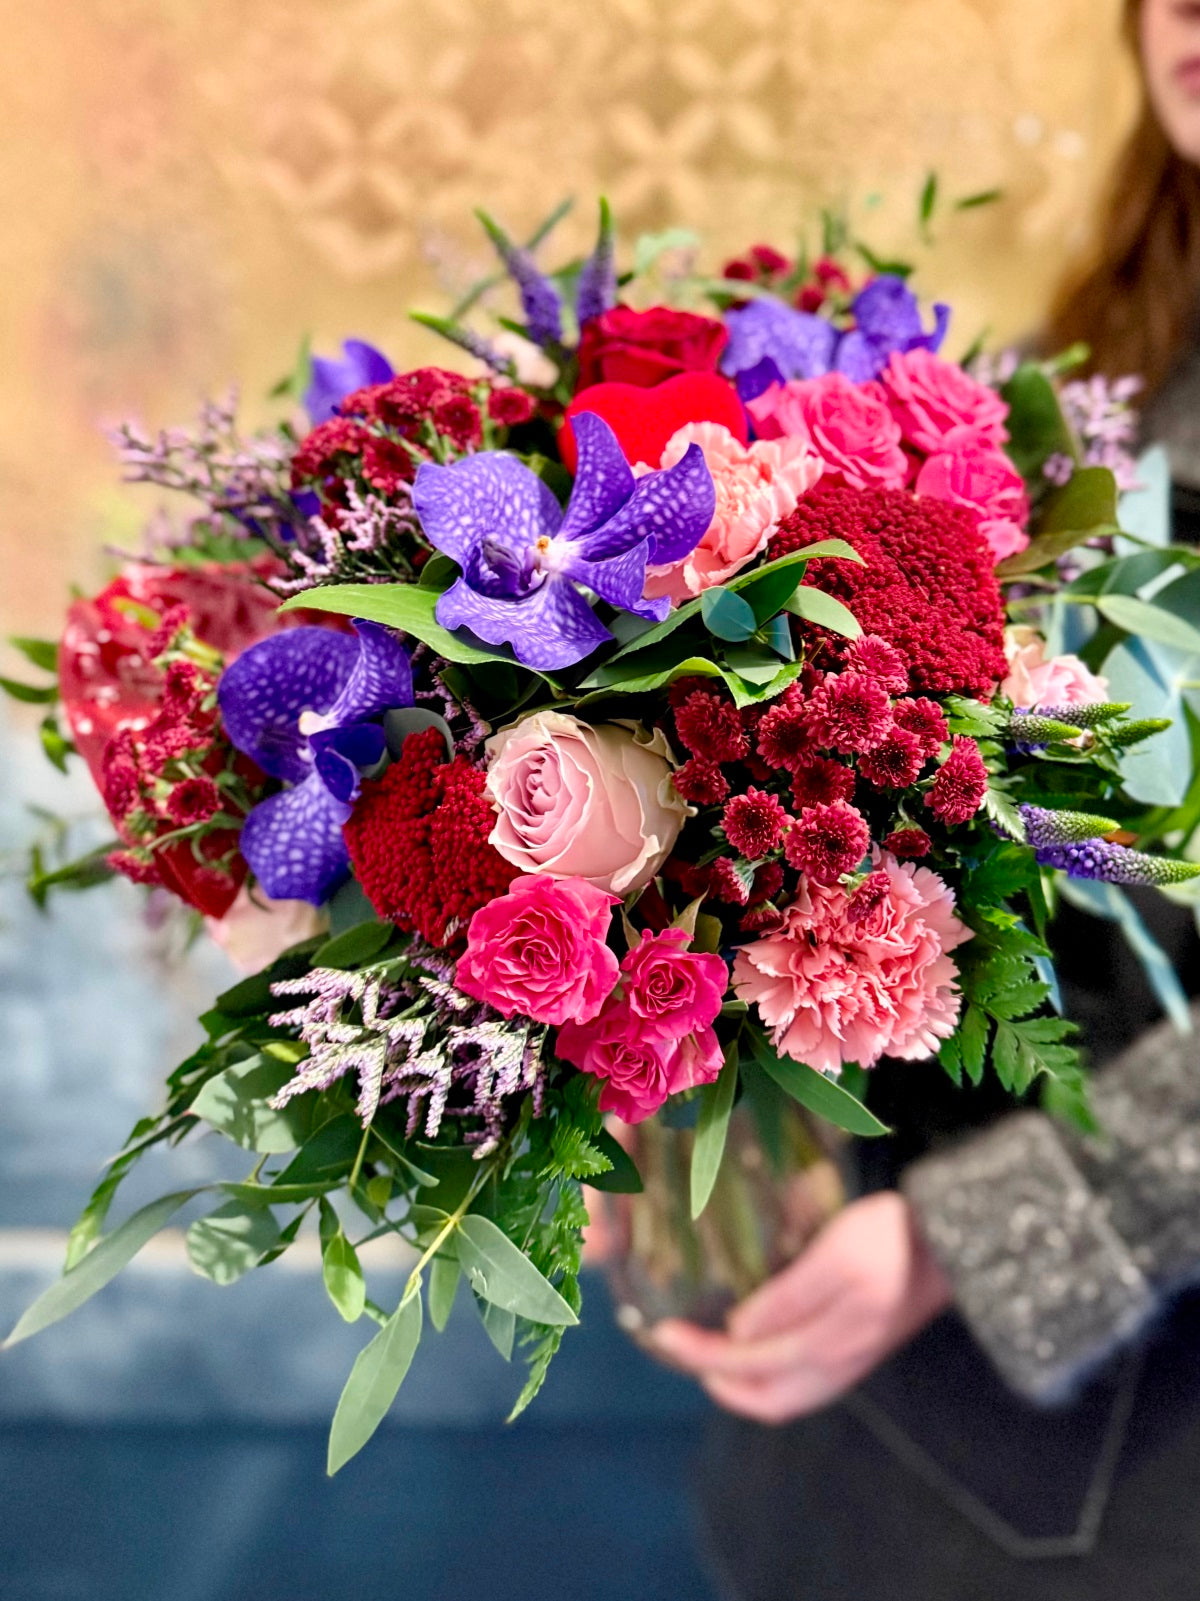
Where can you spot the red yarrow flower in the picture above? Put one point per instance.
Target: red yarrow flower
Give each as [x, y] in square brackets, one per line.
[959, 785]
[193, 800]
[908, 843]
[508, 407]
[828, 841]
[849, 713]
[754, 823]
[895, 761]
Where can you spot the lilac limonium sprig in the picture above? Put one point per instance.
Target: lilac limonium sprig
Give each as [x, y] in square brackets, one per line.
[335, 377]
[1109, 863]
[307, 705]
[526, 563]
[1044, 827]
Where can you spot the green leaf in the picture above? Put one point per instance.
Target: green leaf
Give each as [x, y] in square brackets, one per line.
[982, 197]
[818, 1093]
[327, 1155]
[55, 743]
[767, 595]
[500, 1326]
[716, 1103]
[235, 1102]
[444, 1274]
[928, 201]
[623, 1177]
[1148, 621]
[973, 1038]
[815, 606]
[355, 947]
[639, 674]
[726, 615]
[499, 1272]
[42, 653]
[756, 665]
[1087, 501]
[230, 1241]
[101, 1264]
[30, 693]
[340, 1267]
[375, 1379]
[407, 607]
[1036, 425]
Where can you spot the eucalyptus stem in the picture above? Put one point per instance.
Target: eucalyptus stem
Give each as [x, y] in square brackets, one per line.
[413, 1284]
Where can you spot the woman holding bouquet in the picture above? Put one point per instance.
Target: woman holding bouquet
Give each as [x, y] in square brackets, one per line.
[1066, 1464]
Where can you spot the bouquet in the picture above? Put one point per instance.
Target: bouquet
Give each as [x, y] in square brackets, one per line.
[694, 704]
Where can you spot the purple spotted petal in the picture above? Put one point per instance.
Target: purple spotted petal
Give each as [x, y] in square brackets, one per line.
[799, 343]
[620, 581]
[604, 480]
[264, 690]
[671, 508]
[333, 378]
[294, 844]
[381, 680]
[756, 380]
[489, 496]
[886, 312]
[553, 627]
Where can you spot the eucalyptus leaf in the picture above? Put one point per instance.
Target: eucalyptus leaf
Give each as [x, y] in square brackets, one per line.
[818, 1093]
[500, 1272]
[716, 1104]
[726, 615]
[500, 1326]
[1145, 512]
[1150, 677]
[444, 1274]
[327, 1154]
[1087, 501]
[375, 1379]
[235, 1103]
[230, 1241]
[340, 1268]
[1149, 621]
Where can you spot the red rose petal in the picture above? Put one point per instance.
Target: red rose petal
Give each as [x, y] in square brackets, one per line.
[644, 419]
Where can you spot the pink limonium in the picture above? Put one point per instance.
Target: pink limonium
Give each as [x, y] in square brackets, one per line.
[849, 426]
[539, 951]
[1035, 679]
[835, 986]
[756, 485]
[968, 470]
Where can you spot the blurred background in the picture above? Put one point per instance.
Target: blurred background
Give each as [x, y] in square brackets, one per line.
[187, 187]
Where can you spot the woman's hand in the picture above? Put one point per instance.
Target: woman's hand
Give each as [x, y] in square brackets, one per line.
[862, 1289]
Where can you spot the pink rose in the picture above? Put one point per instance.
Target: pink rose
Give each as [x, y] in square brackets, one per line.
[673, 991]
[638, 1073]
[931, 397]
[540, 950]
[577, 801]
[968, 471]
[850, 426]
[1035, 681]
[756, 485]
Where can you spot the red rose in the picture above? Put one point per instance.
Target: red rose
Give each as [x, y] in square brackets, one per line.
[644, 347]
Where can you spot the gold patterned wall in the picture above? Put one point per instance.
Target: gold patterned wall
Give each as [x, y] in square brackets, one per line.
[187, 185]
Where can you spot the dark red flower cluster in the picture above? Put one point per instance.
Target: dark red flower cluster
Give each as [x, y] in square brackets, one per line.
[828, 841]
[909, 844]
[850, 714]
[959, 785]
[754, 823]
[418, 839]
[928, 586]
[766, 267]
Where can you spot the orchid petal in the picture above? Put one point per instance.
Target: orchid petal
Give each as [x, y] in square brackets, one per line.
[381, 680]
[551, 628]
[857, 358]
[671, 508]
[333, 378]
[264, 690]
[620, 581]
[293, 842]
[800, 343]
[488, 496]
[604, 480]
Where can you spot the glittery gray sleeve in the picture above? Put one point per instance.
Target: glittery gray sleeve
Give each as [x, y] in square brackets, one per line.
[1062, 1249]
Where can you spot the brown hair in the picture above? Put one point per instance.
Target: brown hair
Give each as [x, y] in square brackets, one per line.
[1134, 301]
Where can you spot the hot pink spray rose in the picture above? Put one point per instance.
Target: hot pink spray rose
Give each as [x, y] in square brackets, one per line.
[968, 471]
[1035, 680]
[577, 801]
[756, 485]
[930, 397]
[672, 990]
[835, 988]
[540, 950]
[849, 426]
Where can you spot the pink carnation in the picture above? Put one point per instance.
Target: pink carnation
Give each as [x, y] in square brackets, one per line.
[969, 471]
[756, 485]
[673, 991]
[930, 397]
[850, 426]
[835, 984]
[540, 950]
[1036, 680]
[639, 1072]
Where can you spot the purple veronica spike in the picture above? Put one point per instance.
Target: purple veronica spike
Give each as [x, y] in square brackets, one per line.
[306, 705]
[800, 344]
[1115, 864]
[522, 557]
[334, 379]
[540, 301]
[596, 290]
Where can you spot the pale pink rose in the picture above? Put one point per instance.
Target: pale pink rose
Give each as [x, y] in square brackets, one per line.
[834, 989]
[255, 930]
[968, 471]
[673, 991]
[540, 951]
[638, 1072]
[756, 485]
[849, 426]
[577, 801]
[930, 397]
[1036, 680]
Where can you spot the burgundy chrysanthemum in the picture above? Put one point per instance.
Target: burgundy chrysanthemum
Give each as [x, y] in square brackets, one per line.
[926, 720]
[782, 735]
[724, 883]
[875, 658]
[895, 761]
[754, 823]
[849, 713]
[872, 892]
[820, 780]
[709, 726]
[828, 841]
[928, 585]
[457, 417]
[768, 881]
[701, 782]
[137, 866]
[908, 843]
[959, 785]
[193, 800]
[324, 451]
[509, 406]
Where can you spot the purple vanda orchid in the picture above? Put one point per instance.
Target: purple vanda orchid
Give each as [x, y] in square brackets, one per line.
[334, 378]
[307, 705]
[525, 562]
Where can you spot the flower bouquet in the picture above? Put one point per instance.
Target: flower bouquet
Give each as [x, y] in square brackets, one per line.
[635, 729]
